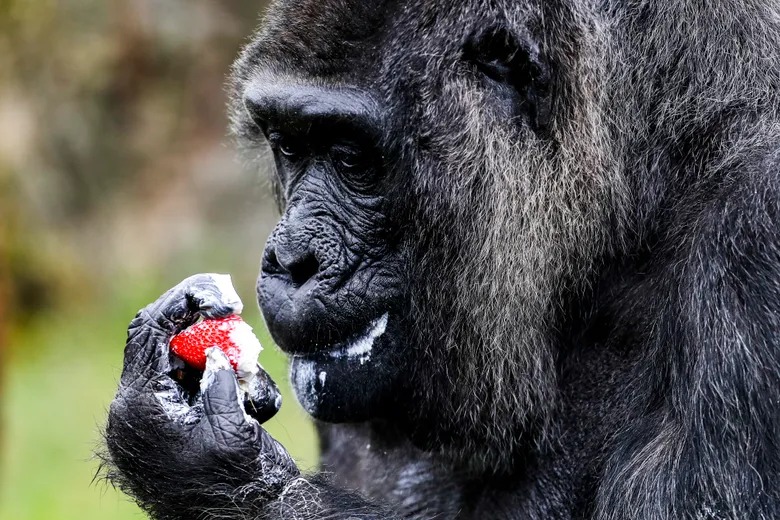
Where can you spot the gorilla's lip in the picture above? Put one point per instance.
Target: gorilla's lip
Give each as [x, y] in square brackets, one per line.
[350, 380]
[360, 346]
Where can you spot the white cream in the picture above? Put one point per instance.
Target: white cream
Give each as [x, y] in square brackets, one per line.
[217, 360]
[228, 293]
[249, 349]
[302, 374]
[360, 348]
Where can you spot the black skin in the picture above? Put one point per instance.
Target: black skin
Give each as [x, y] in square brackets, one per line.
[658, 392]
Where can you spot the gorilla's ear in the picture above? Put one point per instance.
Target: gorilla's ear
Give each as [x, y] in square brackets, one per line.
[514, 61]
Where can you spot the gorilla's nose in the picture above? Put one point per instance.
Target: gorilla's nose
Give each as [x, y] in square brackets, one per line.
[291, 293]
[296, 264]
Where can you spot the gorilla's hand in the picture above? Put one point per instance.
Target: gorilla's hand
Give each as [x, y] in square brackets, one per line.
[182, 451]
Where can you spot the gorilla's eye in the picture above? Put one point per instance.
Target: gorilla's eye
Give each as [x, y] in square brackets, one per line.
[288, 146]
[494, 53]
[513, 61]
[288, 149]
[354, 164]
[348, 157]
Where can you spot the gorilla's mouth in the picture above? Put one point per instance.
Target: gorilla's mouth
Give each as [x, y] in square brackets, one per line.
[342, 382]
[359, 347]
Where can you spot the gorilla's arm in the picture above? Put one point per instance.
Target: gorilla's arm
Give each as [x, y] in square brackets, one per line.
[201, 455]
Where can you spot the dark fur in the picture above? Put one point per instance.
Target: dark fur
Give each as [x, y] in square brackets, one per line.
[593, 303]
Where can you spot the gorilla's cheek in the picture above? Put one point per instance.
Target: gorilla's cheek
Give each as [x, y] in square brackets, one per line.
[351, 381]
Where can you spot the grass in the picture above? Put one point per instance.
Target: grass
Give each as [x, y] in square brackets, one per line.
[58, 382]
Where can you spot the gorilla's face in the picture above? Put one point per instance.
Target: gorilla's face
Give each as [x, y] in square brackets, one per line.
[438, 205]
[331, 283]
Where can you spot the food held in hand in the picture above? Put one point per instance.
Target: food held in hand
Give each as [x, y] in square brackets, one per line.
[231, 335]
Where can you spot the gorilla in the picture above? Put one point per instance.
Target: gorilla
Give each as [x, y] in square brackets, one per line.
[527, 266]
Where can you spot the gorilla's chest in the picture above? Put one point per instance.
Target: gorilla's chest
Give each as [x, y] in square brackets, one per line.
[385, 468]
[382, 466]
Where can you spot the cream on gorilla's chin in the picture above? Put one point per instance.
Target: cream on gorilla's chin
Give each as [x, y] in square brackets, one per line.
[350, 380]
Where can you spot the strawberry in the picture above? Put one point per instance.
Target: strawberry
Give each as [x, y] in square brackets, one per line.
[231, 335]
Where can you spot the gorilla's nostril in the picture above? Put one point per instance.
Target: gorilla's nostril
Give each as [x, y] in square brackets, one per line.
[295, 264]
[271, 263]
[304, 269]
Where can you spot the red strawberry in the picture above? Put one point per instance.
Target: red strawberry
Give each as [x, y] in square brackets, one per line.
[232, 335]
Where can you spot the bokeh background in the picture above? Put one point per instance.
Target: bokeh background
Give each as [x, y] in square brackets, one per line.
[117, 180]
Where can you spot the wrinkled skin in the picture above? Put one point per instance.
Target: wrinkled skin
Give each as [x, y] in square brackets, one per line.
[332, 268]
[526, 268]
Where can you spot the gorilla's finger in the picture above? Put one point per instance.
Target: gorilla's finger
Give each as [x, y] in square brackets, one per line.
[224, 419]
[207, 294]
[146, 352]
[263, 398]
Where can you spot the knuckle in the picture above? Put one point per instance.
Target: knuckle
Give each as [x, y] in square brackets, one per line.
[224, 432]
[221, 405]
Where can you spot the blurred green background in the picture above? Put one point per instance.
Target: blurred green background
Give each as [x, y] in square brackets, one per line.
[117, 180]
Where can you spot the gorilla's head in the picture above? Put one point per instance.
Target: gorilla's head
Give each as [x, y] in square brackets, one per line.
[440, 167]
